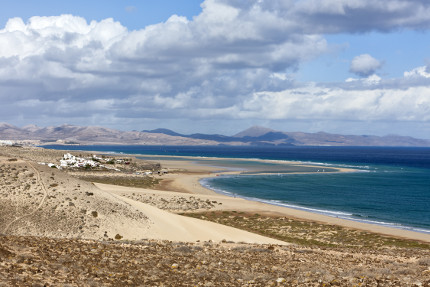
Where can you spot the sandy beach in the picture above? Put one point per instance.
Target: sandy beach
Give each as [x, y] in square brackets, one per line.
[189, 182]
[192, 234]
[179, 181]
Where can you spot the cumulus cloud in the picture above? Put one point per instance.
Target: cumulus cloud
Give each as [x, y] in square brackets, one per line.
[419, 72]
[66, 57]
[326, 103]
[226, 62]
[364, 65]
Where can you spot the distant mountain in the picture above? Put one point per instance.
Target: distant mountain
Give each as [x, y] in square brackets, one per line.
[326, 139]
[255, 131]
[257, 136]
[218, 138]
[164, 131]
[264, 136]
[276, 138]
[70, 134]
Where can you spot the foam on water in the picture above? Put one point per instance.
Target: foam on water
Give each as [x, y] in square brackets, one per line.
[337, 214]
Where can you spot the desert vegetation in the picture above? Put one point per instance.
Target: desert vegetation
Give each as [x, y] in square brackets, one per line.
[312, 234]
[41, 261]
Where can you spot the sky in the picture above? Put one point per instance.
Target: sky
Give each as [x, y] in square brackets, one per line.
[218, 66]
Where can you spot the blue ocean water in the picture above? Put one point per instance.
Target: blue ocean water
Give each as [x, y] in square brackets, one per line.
[391, 186]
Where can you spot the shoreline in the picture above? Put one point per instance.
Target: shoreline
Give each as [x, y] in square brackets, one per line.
[186, 181]
[332, 214]
[113, 229]
[191, 183]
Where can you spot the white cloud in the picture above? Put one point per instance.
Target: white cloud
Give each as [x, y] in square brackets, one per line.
[65, 54]
[230, 61]
[364, 65]
[369, 81]
[323, 103]
[419, 72]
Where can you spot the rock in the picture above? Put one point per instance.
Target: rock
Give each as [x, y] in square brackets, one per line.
[4, 253]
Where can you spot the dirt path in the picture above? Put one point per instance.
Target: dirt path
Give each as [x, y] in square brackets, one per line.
[45, 194]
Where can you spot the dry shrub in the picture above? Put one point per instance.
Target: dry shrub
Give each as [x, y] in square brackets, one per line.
[424, 261]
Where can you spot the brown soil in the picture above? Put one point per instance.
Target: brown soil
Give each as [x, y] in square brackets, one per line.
[33, 261]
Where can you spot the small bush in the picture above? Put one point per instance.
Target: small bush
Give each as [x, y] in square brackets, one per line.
[424, 261]
[183, 249]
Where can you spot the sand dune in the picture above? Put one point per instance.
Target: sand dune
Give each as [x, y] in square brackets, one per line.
[43, 201]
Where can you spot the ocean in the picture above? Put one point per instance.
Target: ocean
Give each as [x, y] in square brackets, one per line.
[391, 186]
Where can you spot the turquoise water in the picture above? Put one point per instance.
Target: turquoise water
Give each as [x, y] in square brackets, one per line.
[391, 187]
[391, 197]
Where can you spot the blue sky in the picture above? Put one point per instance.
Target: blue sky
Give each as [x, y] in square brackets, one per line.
[401, 51]
[132, 14]
[218, 66]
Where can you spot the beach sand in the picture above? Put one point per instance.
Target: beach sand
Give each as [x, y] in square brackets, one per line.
[60, 195]
[189, 182]
[35, 193]
[57, 229]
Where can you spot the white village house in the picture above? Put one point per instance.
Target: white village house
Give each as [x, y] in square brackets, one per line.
[70, 160]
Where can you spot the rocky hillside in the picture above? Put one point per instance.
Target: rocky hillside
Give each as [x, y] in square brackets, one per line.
[69, 134]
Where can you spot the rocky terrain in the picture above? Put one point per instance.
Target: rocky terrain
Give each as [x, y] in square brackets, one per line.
[41, 261]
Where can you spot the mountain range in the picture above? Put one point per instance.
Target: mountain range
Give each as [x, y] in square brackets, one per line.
[259, 136]
[264, 136]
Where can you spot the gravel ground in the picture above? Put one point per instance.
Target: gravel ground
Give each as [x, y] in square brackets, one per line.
[41, 261]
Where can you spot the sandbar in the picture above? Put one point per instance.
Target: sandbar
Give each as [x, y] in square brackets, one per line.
[187, 173]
